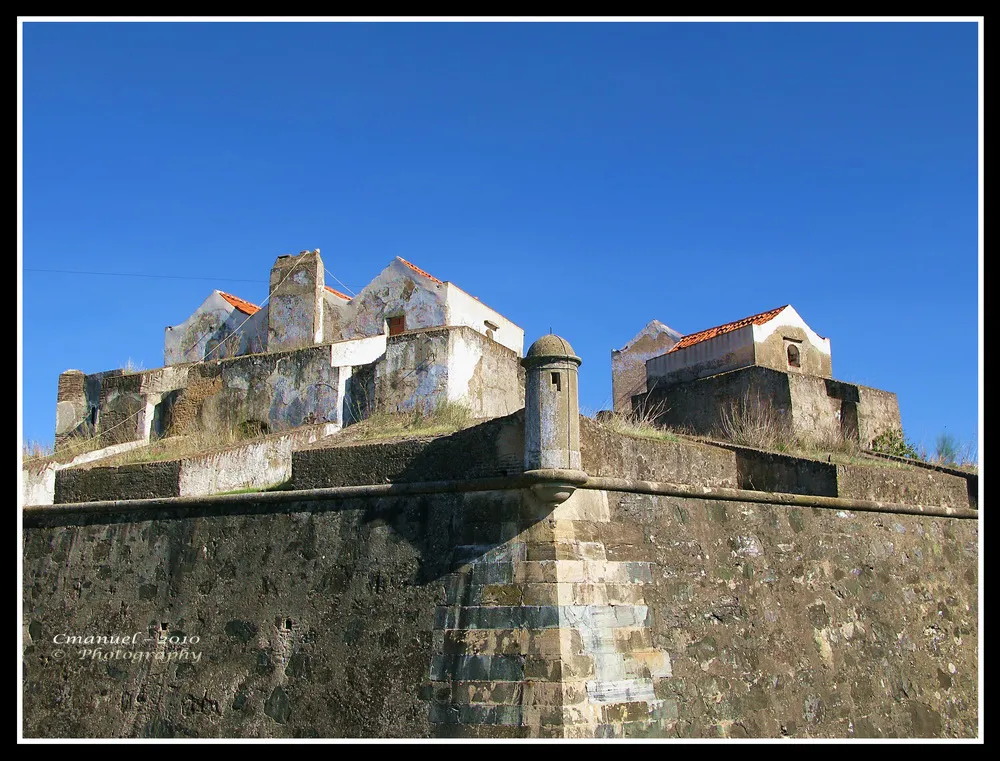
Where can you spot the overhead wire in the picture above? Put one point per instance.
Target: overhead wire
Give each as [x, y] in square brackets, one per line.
[135, 415]
[140, 274]
[235, 332]
[339, 281]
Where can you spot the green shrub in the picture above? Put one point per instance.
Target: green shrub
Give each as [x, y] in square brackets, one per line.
[893, 442]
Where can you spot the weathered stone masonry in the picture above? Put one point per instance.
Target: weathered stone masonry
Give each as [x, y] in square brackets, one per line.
[510, 612]
[475, 615]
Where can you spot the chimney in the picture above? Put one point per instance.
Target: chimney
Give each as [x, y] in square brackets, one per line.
[295, 306]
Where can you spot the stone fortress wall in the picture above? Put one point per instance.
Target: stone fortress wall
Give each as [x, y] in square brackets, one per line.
[533, 576]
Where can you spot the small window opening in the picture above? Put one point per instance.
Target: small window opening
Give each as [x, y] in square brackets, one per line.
[557, 381]
[793, 355]
[397, 325]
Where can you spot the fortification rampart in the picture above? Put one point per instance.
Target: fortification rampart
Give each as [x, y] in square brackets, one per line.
[451, 587]
[489, 614]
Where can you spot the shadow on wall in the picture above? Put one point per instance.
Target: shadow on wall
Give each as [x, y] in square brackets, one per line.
[447, 530]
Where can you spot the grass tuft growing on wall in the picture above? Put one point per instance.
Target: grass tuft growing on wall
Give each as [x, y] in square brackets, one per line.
[445, 417]
[639, 424]
[186, 445]
[36, 453]
[130, 366]
[748, 421]
[35, 450]
[753, 422]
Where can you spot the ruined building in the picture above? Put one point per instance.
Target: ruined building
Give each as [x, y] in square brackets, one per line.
[310, 355]
[771, 363]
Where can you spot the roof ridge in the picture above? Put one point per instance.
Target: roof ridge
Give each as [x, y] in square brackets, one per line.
[243, 305]
[337, 293]
[419, 271]
[703, 335]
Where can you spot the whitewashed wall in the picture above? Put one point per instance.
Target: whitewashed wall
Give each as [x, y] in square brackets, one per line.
[788, 317]
[463, 309]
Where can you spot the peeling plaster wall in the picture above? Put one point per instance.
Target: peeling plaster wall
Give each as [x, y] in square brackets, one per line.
[422, 368]
[279, 389]
[207, 333]
[413, 374]
[225, 344]
[397, 290]
[284, 390]
[295, 302]
[38, 484]
[463, 309]
[257, 465]
[159, 389]
[300, 314]
[628, 364]
[729, 351]
[483, 374]
[253, 334]
[336, 312]
[210, 324]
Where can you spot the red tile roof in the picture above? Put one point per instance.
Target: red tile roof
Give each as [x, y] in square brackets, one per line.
[418, 270]
[244, 306]
[338, 293]
[704, 335]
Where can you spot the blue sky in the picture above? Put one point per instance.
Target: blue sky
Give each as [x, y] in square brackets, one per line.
[587, 177]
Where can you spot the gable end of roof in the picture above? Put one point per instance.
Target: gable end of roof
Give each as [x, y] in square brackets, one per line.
[419, 271]
[244, 306]
[343, 296]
